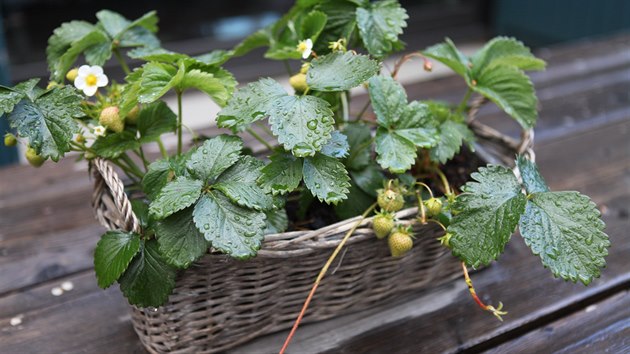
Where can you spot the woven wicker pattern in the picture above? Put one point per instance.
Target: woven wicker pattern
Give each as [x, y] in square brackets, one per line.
[219, 303]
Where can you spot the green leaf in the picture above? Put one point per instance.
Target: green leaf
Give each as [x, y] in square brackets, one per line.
[112, 22]
[532, 179]
[161, 172]
[380, 24]
[156, 54]
[47, 121]
[9, 97]
[452, 135]
[179, 240]
[340, 24]
[302, 123]
[416, 125]
[249, 104]
[326, 178]
[138, 37]
[340, 71]
[337, 147]
[449, 55]
[115, 144]
[260, 38]
[157, 80]
[485, 215]
[61, 40]
[149, 280]
[368, 179]
[358, 201]
[312, 25]
[239, 184]
[282, 175]
[504, 51]
[175, 196]
[130, 92]
[394, 152]
[511, 90]
[112, 255]
[277, 221]
[147, 21]
[388, 99]
[232, 229]
[565, 230]
[360, 141]
[215, 57]
[215, 156]
[218, 88]
[94, 38]
[154, 120]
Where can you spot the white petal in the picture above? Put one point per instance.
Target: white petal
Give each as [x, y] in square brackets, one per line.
[90, 90]
[102, 80]
[84, 70]
[306, 54]
[79, 82]
[96, 70]
[309, 44]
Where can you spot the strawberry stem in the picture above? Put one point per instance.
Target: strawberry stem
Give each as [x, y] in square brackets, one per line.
[495, 311]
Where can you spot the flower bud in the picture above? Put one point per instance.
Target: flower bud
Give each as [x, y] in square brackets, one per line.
[72, 74]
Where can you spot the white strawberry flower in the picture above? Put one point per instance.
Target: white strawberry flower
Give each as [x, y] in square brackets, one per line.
[90, 78]
[306, 48]
[99, 130]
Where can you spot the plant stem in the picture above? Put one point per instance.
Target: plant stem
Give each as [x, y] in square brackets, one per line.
[162, 148]
[322, 272]
[464, 103]
[288, 67]
[259, 138]
[344, 106]
[495, 311]
[265, 128]
[363, 110]
[447, 186]
[179, 122]
[144, 159]
[132, 165]
[121, 61]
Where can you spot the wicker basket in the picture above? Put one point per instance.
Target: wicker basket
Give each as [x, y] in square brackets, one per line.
[219, 302]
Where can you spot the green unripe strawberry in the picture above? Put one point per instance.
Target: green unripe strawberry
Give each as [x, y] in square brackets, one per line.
[34, 158]
[72, 74]
[400, 242]
[10, 139]
[434, 206]
[132, 116]
[110, 119]
[383, 224]
[298, 82]
[390, 200]
[304, 68]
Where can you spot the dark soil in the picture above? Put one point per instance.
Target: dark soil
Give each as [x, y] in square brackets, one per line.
[317, 215]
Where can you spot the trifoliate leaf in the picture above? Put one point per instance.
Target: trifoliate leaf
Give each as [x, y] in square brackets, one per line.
[380, 23]
[565, 230]
[157, 80]
[302, 123]
[393, 151]
[326, 178]
[149, 280]
[449, 55]
[511, 90]
[175, 196]
[282, 175]
[532, 179]
[505, 51]
[179, 241]
[161, 172]
[232, 229]
[112, 255]
[360, 141]
[337, 146]
[115, 144]
[47, 120]
[155, 119]
[416, 125]
[388, 99]
[239, 184]
[215, 156]
[277, 221]
[452, 136]
[340, 71]
[249, 104]
[485, 215]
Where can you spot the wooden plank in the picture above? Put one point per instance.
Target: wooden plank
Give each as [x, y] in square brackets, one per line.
[599, 328]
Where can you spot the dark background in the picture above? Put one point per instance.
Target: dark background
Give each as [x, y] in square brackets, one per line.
[199, 26]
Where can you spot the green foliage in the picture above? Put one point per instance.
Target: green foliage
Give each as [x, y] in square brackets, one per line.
[175, 196]
[44, 117]
[337, 146]
[179, 240]
[215, 156]
[112, 255]
[282, 175]
[239, 184]
[113, 145]
[452, 135]
[326, 178]
[154, 120]
[486, 215]
[380, 23]
[340, 71]
[148, 280]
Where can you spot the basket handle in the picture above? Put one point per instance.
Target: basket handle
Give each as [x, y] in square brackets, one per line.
[507, 145]
[111, 205]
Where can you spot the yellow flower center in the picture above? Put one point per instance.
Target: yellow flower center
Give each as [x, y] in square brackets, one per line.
[91, 79]
[301, 46]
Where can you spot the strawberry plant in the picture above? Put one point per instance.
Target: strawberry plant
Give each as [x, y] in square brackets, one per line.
[214, 194]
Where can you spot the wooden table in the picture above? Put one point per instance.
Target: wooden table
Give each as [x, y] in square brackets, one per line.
[47, 235]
